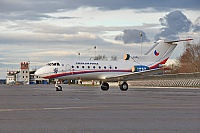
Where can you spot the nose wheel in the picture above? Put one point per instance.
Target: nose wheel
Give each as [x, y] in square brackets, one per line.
[58, 87]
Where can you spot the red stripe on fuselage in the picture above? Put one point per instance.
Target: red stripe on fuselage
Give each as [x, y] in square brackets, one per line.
[157, 65]
[82, 72]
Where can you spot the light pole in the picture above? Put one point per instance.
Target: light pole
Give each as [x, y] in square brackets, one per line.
[141, 41]
[95, 47]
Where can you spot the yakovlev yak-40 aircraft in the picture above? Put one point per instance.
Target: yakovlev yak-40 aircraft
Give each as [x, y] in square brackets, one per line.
[111, 71]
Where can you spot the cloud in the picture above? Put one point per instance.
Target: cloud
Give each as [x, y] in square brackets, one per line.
[132, 36]
[197, 25]
[143, 4]
[29, 16]
[38, 9]
[174, 23]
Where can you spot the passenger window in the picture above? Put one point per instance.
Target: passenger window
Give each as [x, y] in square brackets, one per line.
[83, 67]
[99, 67]
[115, 67]
[58, 64]
[104, 67]
[94, 67]
[77, 66]
[88, 67]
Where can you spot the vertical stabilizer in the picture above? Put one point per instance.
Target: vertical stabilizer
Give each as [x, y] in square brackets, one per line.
[161, 52]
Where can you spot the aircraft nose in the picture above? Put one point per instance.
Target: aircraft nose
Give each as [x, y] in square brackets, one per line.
[39, 72]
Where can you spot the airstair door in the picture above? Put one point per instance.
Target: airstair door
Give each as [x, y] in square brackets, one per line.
[68, 68]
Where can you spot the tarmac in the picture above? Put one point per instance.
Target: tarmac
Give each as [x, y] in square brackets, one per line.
[88, 109]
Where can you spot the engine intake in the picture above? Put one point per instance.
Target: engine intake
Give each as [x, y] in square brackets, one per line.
[127, 56]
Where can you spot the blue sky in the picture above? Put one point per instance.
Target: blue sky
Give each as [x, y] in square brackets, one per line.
[43, 30]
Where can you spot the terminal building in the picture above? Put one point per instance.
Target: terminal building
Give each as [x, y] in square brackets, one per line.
[24, 76]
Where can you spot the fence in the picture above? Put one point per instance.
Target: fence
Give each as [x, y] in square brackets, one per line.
[172, 80]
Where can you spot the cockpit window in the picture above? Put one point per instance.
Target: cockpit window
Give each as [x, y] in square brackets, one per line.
[53, 64]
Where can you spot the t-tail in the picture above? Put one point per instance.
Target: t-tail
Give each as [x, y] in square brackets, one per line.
[158, 54]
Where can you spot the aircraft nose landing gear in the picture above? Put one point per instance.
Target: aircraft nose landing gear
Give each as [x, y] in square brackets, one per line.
[58, 87]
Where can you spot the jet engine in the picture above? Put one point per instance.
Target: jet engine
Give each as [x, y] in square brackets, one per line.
[127, 56]
[139, 68]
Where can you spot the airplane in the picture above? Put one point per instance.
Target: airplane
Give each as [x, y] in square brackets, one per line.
[130, 68]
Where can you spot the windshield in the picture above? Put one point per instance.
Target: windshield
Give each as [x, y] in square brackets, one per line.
[53, 64]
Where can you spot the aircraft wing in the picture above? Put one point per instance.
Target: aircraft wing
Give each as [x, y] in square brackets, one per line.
[134, 75]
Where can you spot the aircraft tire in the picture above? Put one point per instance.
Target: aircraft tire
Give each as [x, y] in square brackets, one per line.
[59, 88]
[123, 86]
[105, 86]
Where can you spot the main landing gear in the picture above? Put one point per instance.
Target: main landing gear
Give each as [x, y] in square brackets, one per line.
[104, 86]
[123, 86]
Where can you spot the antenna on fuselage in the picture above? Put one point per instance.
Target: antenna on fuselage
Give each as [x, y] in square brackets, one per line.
[79, 54]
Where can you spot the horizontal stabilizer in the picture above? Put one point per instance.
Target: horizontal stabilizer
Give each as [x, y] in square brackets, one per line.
[189, 39]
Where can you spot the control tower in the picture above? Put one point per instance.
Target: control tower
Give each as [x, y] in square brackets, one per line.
[24, 72]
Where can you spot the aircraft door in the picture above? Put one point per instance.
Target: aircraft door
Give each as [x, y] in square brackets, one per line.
[68, 68]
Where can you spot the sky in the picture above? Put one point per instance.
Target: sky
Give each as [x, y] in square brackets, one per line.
[39, 31]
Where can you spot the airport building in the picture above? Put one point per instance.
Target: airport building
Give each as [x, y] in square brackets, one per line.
[24, 76]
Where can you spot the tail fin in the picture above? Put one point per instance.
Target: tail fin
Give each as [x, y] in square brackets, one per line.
[161, 52]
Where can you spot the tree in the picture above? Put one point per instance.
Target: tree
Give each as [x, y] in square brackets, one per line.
[100, 57]
[113, 58]
[189, 61]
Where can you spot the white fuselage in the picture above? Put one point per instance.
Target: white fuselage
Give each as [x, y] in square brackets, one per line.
[88, 70]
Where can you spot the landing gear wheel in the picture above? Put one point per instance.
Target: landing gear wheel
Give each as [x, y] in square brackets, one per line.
[123, 86]
[105, 86]
[58, 88]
